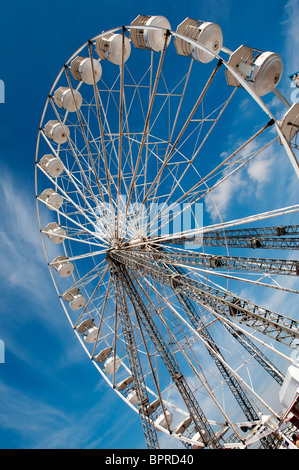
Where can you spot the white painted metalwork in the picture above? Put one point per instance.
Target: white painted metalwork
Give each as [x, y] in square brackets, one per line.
[143, 124]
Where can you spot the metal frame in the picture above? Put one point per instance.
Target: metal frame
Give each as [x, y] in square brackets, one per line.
[107, 306]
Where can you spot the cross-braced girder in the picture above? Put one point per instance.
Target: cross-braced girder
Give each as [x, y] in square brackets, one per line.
[149, 430]
[202, 424]
[282, 237]
[237, 263]
[223, 303]
[233, 384]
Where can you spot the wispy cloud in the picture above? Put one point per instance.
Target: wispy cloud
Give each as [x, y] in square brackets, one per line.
[27, 415]
[45, 426]
[39, 342]
[21, 257]
[28, 295]
[259, 170]
[246, 183]
[219, 200]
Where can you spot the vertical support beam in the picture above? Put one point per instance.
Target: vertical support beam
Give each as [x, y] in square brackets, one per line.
[134, 361]
[201, 423]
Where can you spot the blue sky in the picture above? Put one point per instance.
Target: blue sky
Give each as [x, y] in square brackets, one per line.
[50, 394]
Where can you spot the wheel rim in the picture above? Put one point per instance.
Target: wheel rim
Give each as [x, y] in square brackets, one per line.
[95, 220]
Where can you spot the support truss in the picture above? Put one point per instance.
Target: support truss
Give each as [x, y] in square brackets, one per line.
[231, 381]
[247, 344]
[267, 237]
[256, 353]
[202, 425]
[237, 263]
[222, 303]
[134, 361]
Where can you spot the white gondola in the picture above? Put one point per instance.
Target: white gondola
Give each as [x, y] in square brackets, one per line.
[109, 47]
[68, 99]
[63, 266]
[153, 406]
[74, 298]
[290, 122]
[148, 38]
[103, 355]
[269, 422]
[180, 428]
[267, 72]
[198, 444]
[112, 364]
[85, 325]
[53, 200]
[83, 70]
[124, 383]
[52, 165]
[57, 131]
[91, 334]
[205, 33]
[290, 388]
[55, 233]
[164, 420]
[132, 397]
[263, 71]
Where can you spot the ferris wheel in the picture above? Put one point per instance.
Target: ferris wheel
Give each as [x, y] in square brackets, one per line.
[142, 129]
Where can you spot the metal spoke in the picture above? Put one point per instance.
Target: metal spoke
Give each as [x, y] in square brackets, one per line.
[146, 125]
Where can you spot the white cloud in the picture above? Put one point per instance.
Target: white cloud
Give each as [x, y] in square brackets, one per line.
[26, 415]
[259, 170]
[28, 294]
[248, 182]
[41, 425]
[218, 201]
[23, 264]
[21, 256]
[32, 323]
